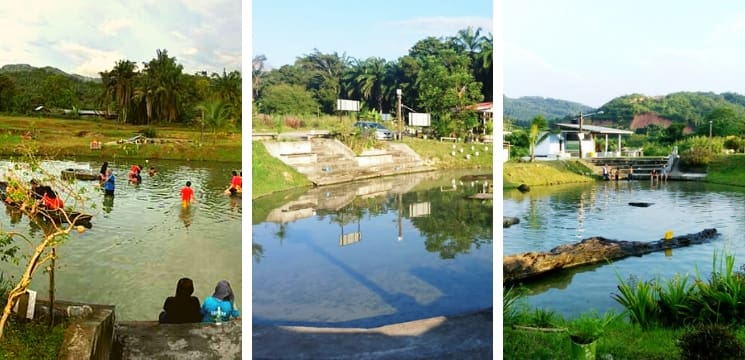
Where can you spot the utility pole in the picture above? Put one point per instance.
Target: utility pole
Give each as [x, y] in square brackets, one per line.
[580, 135]
[398, 114]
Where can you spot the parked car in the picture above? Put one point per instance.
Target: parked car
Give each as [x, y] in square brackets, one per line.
[367, 127]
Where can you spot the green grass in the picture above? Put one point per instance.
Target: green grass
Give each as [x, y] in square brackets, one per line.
[621, 340]
[52, 137]
[440, 153]
[270, 175]
[727, 169]
[544, 173]
[31, 341]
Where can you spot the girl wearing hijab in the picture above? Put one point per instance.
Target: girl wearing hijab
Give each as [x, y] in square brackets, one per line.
[220, 306]
[102, 173]
[182, 308]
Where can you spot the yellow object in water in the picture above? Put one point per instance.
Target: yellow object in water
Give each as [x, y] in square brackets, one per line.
[668, 235]
[184, 203]
[80, 228]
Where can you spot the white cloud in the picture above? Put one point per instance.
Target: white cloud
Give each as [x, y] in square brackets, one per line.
[113, 26]
[89, 61]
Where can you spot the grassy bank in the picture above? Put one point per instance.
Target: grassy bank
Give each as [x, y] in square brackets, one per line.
[31, 340]
[622, 340]
[56, 138]
[727, 169]
[545, 173]
[270, 175]
[440, 154]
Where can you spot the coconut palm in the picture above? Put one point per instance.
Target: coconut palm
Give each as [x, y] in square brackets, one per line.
[215, 114]
[537, 133]
[228, 89]
[119, 85]
[164, 86]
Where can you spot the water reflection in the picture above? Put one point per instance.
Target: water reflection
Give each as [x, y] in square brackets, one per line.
[373, 252]
[576, 212]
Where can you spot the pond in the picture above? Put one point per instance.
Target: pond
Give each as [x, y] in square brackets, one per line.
[372, 253]
[143, 241]
[556, 215]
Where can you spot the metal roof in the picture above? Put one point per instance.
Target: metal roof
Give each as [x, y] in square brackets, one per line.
[595, 129]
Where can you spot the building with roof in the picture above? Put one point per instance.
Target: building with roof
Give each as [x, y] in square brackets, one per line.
[566, 143]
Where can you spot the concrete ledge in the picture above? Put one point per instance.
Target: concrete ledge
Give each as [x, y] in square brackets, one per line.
[376, 159]
[299, 159]
[89, 334]
[135, 340]
[467, 336]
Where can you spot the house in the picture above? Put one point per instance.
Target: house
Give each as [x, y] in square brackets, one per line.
[567, 142]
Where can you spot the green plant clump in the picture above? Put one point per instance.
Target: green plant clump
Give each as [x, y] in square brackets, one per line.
[710, 341]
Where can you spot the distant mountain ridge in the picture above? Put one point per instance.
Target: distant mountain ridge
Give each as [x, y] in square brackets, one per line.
[10, 68]
[525, 108]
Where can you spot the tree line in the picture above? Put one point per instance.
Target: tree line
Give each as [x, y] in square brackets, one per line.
[440, 76]
[158, 92]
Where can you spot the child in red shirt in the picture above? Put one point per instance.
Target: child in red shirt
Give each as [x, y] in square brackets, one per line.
[51, 201]
[187, 194]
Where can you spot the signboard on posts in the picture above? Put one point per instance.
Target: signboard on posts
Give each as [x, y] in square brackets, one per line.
[347, 105]
[419, 119]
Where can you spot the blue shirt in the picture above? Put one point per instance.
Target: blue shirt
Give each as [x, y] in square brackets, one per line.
[213, 307]
[109, 184]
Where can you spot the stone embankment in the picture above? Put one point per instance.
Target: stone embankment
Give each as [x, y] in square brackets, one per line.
[593, 250]
[328, 161]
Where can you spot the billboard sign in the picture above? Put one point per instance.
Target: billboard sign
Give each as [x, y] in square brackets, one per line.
[347, 105]
[419, 119]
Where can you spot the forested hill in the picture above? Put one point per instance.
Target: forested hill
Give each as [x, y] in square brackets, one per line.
[10, 68]
[524, 109]
[689, 108]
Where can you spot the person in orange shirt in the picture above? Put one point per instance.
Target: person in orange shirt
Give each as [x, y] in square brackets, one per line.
[187, 195]
[236, 184]
[50, 200]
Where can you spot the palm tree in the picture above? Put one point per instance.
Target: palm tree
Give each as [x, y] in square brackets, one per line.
[328, 70]
[215, 114]
[119, 86]
[370, 81]
[164, 86]
[537, 133]
[228, 89]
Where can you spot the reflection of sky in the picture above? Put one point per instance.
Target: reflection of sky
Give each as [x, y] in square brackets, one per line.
[308, 278]
[552, 219]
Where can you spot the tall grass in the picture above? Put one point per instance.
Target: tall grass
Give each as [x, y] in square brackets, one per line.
[676, 302]
[639, 299]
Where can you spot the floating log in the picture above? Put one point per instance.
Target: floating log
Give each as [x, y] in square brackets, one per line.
[641, 204]
[592, 250]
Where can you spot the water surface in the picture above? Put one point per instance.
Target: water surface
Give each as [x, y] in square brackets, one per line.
[143, 241]
[556, 215]
[373, 253]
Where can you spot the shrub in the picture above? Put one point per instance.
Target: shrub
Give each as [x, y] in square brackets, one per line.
[710, 341]
[149, 132]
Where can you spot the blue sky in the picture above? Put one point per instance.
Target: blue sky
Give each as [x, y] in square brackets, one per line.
[88, 36]
[283, 30]
[593, 51]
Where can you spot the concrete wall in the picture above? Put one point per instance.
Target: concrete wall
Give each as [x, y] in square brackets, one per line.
[277, 148]
[90, 332]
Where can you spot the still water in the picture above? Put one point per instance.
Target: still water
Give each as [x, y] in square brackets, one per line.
[557, 215]
[143, 241]
[372, 253]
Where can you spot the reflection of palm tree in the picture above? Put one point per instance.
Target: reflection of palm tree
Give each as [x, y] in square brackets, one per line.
[281, 232]
[257, 251]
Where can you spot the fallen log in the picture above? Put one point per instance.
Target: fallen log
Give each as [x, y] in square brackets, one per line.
[592, 250]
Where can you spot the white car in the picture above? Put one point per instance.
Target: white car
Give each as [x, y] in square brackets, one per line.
[381, 133]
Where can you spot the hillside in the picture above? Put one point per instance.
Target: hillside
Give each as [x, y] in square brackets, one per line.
[688, 108]
[525, 108]
[24, 87]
